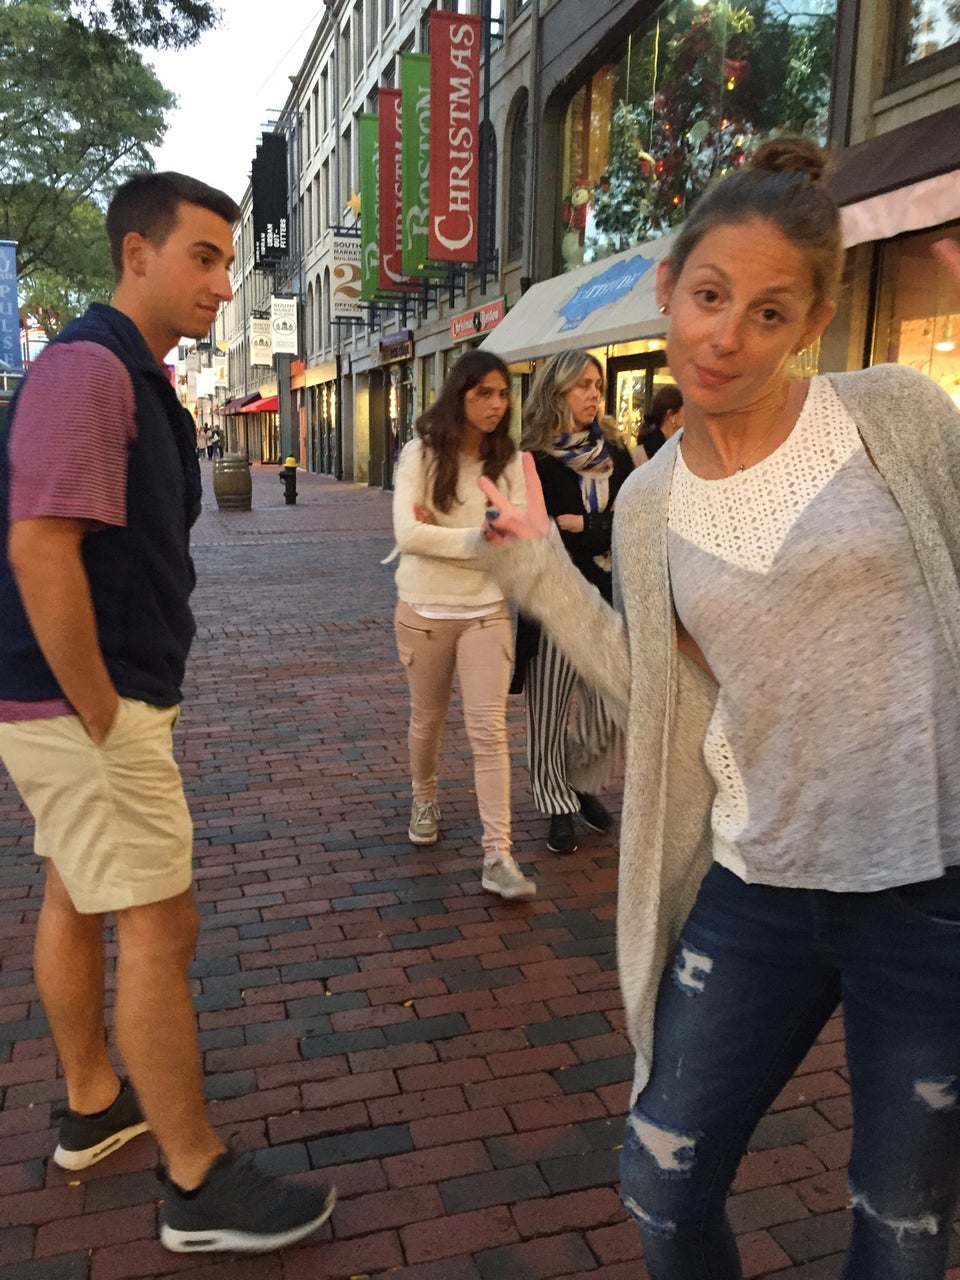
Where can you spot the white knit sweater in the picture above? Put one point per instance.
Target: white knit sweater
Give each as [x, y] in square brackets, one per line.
[438, 562]
[912, 432]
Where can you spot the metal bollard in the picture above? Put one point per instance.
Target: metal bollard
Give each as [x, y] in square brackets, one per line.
[288, 478]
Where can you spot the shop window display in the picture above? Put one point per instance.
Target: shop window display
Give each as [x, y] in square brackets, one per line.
[918, 314]
[697, 88]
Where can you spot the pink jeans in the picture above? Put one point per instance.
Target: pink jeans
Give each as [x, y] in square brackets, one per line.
[480, 650]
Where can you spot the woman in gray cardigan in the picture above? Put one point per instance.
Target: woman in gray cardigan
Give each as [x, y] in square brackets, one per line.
[784, 652]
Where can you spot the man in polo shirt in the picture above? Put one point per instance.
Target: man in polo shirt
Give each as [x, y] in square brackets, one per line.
[99, 486]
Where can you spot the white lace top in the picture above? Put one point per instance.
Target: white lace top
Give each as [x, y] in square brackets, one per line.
[798, 580]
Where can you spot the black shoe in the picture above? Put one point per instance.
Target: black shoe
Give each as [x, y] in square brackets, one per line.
[560, 838]
[593, 812]
[238, 1208]
[86, 1139]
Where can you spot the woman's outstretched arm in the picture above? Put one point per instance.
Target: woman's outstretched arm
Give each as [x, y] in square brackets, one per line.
[523, 552]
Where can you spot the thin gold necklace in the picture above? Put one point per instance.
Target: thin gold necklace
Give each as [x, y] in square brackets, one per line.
[742, 466]
[777, 422]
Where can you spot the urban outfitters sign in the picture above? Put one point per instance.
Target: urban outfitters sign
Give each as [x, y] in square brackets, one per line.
[454, 135]
[268, 184]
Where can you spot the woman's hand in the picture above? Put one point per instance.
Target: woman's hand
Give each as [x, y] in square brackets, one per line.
[422, 514]
[570, 524]
[507, 523]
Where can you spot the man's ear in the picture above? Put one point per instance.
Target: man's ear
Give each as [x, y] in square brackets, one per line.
[136, 251]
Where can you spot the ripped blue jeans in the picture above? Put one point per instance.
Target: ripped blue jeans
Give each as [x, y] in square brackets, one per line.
[756, 974]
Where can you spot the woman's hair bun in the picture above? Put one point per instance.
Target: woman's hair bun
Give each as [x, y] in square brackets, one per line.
[791, 155]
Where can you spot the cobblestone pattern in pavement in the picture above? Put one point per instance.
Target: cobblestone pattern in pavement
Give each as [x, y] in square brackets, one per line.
[456, 1064]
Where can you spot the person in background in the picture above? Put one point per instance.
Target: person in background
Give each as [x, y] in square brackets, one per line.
[451, 618]
[663, 420]
[786, 657]
[94, 596]
[572, 744]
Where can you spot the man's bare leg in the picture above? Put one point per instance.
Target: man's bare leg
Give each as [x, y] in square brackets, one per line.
[68, 968]
[157, 1032]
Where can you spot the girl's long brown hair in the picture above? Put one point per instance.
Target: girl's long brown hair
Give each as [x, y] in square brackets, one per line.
[441, 427]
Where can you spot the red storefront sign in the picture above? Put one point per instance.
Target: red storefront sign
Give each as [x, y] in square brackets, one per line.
[468, 324]
[454, 135]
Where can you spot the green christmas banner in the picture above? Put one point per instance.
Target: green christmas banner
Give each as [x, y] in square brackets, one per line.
[415, 170]
[369, 207]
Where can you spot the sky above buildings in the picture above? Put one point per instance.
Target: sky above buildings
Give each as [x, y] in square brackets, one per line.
[230, 86]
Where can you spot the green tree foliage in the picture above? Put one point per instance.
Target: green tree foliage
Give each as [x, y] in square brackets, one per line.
[78, 111]
[154, 24]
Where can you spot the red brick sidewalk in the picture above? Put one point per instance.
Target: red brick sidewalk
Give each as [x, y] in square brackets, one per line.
[368, 1015]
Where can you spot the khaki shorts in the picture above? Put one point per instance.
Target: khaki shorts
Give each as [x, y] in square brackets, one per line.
[112, 819]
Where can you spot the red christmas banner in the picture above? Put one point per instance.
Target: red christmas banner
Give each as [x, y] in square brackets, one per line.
[454, 135]
[391, 215]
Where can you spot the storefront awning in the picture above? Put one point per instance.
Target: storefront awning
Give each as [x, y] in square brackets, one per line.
[265, 404]
[237, 403]
[905, 180]
[613, 300]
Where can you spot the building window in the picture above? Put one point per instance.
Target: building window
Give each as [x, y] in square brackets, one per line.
[918, 312]
[518, 182]
[388, 14]
[371, 25]
[346, 65]
[694, 91]
[425, 27]
[357, 39]
[324, 101]
[927, 37]
[487, 238]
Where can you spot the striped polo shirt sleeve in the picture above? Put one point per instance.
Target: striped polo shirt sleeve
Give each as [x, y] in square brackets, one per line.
[71, 433]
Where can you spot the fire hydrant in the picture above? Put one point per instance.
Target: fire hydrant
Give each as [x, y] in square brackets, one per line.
[288, 478]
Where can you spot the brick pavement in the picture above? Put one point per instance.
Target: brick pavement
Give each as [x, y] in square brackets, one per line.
[456, 1064]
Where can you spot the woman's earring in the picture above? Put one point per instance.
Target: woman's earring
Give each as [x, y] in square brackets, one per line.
[662, 308]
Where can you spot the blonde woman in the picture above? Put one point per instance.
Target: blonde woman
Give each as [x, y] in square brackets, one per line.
[571, 740]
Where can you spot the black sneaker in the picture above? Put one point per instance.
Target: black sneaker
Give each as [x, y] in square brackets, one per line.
[86, 1139]
[239, 1209]
[560, 838]
[593, 813]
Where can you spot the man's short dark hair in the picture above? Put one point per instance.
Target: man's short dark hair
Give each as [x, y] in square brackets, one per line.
[148, 203]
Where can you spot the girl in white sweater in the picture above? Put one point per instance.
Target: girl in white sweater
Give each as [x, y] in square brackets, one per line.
[451, 616]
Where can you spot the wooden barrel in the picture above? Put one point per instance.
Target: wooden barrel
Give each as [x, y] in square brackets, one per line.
[232, 486]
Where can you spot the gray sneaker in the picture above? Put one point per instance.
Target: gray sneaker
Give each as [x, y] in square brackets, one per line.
[238, 1209]
[504, 877]
[86, 1139]
[424, 816]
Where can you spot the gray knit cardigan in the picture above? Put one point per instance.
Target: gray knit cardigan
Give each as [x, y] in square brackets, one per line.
[912, 432]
